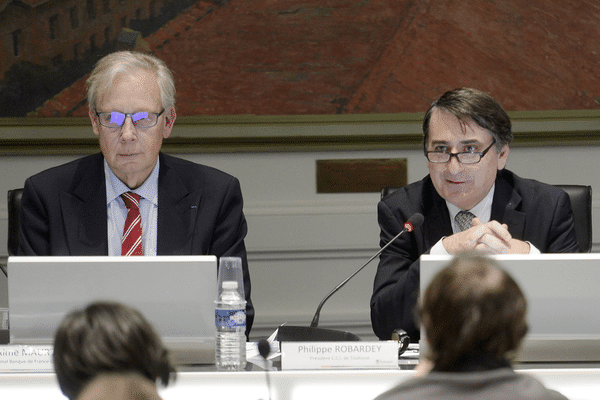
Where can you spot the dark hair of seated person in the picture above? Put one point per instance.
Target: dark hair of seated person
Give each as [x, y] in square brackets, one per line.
[107, 337]
[474, 315]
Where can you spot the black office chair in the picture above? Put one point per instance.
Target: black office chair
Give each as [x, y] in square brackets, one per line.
[14, 211]
[581, 204]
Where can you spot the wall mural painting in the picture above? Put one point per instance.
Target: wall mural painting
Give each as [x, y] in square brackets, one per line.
[310, 57]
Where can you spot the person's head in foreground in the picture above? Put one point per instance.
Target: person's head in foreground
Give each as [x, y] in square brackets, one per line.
[474, 313]
[474, 317]
[106, 337]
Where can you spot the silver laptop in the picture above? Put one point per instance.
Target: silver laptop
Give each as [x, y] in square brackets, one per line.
[563, 298]
[175, 293]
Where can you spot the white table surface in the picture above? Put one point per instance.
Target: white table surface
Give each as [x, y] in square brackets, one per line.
[576, 383]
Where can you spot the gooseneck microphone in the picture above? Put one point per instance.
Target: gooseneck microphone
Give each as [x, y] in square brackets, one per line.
[291, 333]
[413, 222]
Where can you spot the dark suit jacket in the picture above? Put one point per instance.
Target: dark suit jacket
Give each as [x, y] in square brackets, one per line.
[533, 211]
[63, 212]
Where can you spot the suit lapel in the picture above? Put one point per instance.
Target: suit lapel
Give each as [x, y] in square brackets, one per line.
[177, 212]
[84, 211]
[504, 208]
[437, 223]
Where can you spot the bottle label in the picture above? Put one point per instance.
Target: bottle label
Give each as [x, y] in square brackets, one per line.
[230, 318]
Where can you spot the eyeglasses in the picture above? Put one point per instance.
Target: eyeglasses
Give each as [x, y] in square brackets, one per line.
[463, 157]
[115, 119]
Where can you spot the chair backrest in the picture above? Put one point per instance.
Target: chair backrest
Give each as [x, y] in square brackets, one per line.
[581, 204]
[14, 212]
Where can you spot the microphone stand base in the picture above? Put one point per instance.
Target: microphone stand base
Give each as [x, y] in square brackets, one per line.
[289, 333]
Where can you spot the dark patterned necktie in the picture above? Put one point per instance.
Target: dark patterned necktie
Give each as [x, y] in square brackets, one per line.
[463, 219]
[132, 232]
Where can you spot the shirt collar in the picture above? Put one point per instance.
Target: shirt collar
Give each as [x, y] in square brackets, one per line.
[115, 187]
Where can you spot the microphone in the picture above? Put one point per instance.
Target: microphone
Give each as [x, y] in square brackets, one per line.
[264, 348]
[312, 333]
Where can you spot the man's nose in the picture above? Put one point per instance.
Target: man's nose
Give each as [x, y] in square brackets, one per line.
[454, 166]
[128, 131]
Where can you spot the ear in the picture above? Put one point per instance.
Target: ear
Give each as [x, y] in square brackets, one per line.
[170, 118]
[503, 157]
[426, 322]
[95, 123]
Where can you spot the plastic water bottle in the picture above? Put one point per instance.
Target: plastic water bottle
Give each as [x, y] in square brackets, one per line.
[230, 318]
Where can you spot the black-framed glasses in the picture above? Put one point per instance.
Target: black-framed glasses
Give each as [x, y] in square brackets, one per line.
[116, 119]
[463, 157]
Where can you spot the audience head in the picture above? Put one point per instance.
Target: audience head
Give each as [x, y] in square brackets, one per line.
[467, 105]
[107, 337]
[119, 63]
[472, 308]
[119, 386]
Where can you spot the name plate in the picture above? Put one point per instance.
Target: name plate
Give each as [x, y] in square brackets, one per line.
[22, 358]
[339, 355]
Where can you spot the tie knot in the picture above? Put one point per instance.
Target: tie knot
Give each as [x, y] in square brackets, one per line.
[132, 200]
[464, 219]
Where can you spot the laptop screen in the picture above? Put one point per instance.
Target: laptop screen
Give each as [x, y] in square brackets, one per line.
[563, 302]
[175, 293]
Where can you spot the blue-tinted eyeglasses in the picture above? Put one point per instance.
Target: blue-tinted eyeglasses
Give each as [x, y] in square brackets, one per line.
[116, 119]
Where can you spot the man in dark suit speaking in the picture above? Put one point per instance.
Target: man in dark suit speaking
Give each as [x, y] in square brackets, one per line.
[131, 199]
[469, 201]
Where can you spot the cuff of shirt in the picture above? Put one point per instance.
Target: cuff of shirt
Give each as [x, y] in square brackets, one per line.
[533, 249]
[439, 250]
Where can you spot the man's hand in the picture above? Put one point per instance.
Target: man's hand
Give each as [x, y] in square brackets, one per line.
[490, 238]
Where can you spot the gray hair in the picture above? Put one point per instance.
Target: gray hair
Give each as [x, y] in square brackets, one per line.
[108, 68]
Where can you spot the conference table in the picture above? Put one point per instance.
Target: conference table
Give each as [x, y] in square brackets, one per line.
[577, 381]
[574, 378]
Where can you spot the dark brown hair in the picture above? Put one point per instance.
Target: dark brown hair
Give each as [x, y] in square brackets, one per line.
[468, 104]
[472, 307]
[107, 337]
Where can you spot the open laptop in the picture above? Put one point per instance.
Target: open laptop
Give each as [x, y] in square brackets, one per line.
[563, 300]
[175, 293]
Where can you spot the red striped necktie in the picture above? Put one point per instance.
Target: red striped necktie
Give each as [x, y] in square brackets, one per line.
[132, 232]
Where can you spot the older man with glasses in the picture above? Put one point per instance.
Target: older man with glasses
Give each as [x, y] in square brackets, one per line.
[131, 199]
[469, 201]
